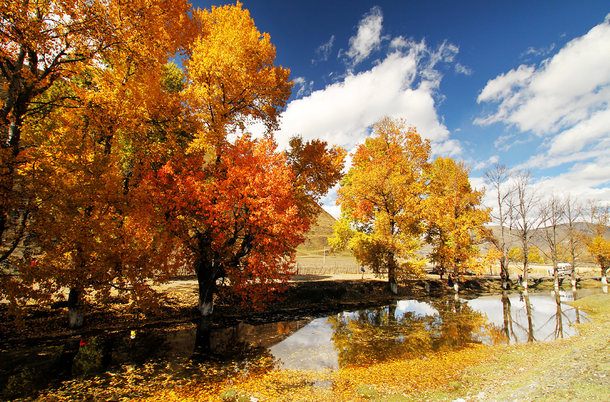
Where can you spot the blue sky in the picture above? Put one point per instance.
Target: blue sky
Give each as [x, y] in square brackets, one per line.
[521, 83]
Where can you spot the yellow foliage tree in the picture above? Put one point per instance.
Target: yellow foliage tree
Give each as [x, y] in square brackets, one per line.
[231, 77]
[238, 206]
[455, 217]
[381, 201]
[83, 91]
[598, 245]
[44, 42]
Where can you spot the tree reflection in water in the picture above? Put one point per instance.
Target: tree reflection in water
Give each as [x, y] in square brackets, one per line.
[380, 334]
[531, 318]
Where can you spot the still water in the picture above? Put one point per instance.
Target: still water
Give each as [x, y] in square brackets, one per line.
[406, 329]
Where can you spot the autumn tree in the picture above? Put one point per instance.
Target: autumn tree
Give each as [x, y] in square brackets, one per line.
[553, 212]
[317, 168]
[237, 205]
[498, 178]
[573, 213]
[381, 201]
[598, 245]
[236, 217]
[44, 42]
[85, 93]
[455, 217]
[83, 168]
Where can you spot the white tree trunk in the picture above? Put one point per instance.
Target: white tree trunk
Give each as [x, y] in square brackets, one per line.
[206, 308]
[394, 288]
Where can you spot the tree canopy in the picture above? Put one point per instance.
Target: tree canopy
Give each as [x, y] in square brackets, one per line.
[118, 167]
[381, 200]
[455, 217]
[393, 200]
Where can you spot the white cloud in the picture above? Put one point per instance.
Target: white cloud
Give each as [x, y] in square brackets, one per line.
[447, 148]
[586, 131]
[503, 86]
[585, 181]
[544, 51]
[565, 100]
[563, 91]
[305, 87]
[324, 50]
[398, 86]
[486, 163]
[461, 69]
[368, 37]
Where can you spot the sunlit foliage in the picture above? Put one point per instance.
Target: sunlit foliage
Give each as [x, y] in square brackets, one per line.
[381, 201]
[130, 167]
[455, 217]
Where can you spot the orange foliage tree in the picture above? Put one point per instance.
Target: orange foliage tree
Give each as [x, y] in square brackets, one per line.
[134, 167]
[236, 217]
[317, 168]
[455, 217]
[43, 42]
[381, 201]
[83, 171]
[238, 207]
[82, 90]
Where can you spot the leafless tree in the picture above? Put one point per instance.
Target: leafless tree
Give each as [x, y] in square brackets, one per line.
[552, 214]
[498, 178]
[525, 219]
[573, 213]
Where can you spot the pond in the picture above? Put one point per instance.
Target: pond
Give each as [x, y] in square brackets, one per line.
[405, 330]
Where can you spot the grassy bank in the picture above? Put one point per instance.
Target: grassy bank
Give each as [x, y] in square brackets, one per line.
[574, 369]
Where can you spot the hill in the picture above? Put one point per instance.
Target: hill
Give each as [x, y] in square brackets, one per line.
[317, 237]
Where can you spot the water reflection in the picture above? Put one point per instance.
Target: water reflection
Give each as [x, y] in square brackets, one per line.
[390, 332]
[533, 317]
[406, 329]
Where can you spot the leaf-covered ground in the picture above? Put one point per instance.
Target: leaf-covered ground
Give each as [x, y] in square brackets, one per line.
[575, 369]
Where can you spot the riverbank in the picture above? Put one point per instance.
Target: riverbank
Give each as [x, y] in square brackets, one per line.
[475, 373]
[306, 296]
[573, 369]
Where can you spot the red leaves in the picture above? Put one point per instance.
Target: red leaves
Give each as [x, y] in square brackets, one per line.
[243, 203]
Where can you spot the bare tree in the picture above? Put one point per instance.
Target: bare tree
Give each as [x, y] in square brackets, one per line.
[552, 214]
[573, 213]
[524, 216]
[498, 178]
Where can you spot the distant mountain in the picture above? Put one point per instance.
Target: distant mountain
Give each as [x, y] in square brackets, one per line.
[317, 237]
[538, 240]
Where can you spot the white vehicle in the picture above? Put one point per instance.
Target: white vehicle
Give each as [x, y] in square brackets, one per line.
[563, 268]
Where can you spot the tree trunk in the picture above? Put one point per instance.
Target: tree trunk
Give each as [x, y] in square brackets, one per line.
[530, 322]
[207, 287]
[208, 270]
[525, 272]
[558, 317]
[504, 275]
[203, 345]
[76, 316]
[393, 286]
[508, 321]
[573, 277]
